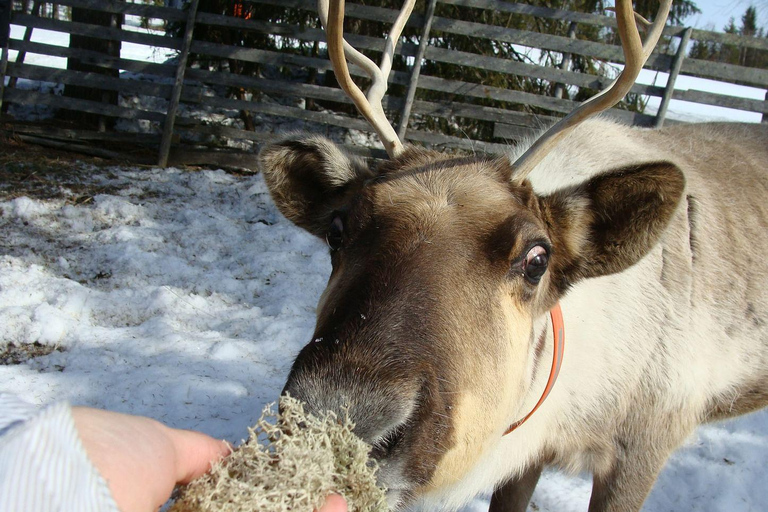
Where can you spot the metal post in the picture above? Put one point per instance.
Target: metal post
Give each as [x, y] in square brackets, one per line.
[566, 64]
[674, 71]
[402, 126]
[173, 106]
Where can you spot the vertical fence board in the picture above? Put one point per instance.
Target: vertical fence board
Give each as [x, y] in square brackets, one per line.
[674, 71]
[173, 106]
[413, 84]
[566, 64]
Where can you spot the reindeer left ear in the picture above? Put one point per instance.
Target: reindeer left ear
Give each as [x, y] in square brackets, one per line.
[309, 176]
[610, 222]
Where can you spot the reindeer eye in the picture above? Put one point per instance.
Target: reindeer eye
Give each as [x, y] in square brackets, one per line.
[535, 263]
[335, 234]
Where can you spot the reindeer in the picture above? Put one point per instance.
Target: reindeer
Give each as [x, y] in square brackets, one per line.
[456, 281]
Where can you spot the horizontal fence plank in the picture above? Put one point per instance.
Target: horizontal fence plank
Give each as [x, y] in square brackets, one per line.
[721, 100]
[77, 134]
[605, 21]
[286, 88]
[512, 132]
[84, 29]
[440, 141]
[94, 58]
[84, 79]
[732, 39]
[449, 109]
[511, 125]
[726, 72]
[92, 107]
[561, 44]
[601, 51]
[435, 54]
[124, 7]
[539, 40]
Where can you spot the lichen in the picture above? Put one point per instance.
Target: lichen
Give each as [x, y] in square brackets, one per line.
[291, 461]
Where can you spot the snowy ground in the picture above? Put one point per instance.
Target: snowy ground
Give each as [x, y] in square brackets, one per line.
[184, 296]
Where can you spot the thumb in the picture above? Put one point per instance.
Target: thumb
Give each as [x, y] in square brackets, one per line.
[196, 453]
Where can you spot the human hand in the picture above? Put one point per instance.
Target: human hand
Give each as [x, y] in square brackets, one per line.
[334, 503]
[136, 453]
[142, 460]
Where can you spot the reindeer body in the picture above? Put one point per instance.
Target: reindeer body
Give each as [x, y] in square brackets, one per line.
[653, 239]
[675, 340]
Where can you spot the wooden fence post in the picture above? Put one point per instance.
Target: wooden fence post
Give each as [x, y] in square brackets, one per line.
[674, 71]
[765, 116]
[405, 114]
[27, 38]
[173, 105]
[566, 64]
[5, 36]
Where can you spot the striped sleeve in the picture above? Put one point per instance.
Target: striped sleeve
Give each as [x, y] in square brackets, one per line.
[43, 463]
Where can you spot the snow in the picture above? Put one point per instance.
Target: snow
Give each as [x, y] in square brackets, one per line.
[184, 296]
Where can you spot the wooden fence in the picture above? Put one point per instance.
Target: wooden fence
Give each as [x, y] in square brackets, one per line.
[173, 84]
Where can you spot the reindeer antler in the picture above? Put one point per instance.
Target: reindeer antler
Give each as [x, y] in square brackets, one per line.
[636, 53]
[339, 51]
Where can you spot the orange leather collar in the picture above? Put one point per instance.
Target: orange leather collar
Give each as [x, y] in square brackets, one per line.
[557, 360]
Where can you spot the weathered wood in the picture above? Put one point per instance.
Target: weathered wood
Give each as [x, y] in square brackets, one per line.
[703, 68]
[511, 132]
[565, 65]
[677, 64]
[765, 117]
[285, 88]
[84, 29]
[37, 98]
[439, 141]
[432, 53]
[76, 134]
[725, 72]
[123, 7]
[759, 43]
[3, 69]
[88, 79]
[605, 21]
[405, 114]
[721, 100]
[20, 56]
[170, 116]
[69, 146]
[229, 159]
[451, 109]
[612, 53]
[95, 58]
[461, 97]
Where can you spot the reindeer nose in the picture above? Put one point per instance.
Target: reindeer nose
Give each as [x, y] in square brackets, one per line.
[371, 404]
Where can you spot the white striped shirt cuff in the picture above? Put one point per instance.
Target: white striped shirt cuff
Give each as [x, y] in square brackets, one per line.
[43, 463]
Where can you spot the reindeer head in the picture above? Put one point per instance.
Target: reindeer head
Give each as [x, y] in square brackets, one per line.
[428, 333]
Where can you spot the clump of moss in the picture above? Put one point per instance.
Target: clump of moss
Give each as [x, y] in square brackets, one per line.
[291, 461]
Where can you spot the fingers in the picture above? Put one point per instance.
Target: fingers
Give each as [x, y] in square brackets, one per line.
[334, 503]
[195, 453]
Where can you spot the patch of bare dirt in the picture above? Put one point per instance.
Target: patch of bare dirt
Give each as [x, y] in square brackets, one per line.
[45, 173]
[11, 353]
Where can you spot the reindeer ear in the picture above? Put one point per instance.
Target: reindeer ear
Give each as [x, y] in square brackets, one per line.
[309, 177]
[610, 222]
